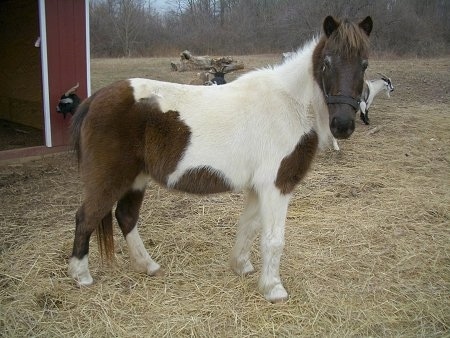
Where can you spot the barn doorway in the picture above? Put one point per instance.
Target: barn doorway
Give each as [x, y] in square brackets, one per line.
[21, 108]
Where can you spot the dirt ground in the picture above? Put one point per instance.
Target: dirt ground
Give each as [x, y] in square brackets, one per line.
[367, 236]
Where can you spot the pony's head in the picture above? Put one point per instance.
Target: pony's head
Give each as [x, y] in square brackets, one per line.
[340, 60]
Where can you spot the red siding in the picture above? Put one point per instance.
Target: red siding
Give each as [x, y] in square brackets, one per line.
[67, 64]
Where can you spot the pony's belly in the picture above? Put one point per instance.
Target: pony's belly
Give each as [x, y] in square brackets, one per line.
[202, 180]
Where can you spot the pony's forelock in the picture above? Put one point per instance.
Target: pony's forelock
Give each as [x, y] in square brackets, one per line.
[348, 39]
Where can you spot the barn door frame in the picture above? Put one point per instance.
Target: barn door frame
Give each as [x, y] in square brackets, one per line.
[44, 68]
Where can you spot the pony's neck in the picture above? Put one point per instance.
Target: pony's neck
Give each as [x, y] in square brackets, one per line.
[296, 73]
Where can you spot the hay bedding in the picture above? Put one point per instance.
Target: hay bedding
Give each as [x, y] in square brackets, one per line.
[367, 242]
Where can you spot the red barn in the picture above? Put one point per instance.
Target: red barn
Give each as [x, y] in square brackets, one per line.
[45, 51]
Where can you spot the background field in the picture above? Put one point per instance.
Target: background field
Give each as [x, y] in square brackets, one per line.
[367, 235]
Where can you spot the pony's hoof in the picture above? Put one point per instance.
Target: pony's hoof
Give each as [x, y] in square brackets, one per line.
[82, 282]
[79, 271]
[153, 269]
[277, 294]
[244, 269]
[82, 279]
[157, 273]
[148, 267]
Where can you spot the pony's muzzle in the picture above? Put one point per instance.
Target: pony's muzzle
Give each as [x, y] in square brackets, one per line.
[342, 128]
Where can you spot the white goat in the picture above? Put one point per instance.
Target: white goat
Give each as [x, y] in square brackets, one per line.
[370, 90]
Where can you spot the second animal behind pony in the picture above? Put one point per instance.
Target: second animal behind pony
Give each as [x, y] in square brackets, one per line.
[370, 90]
[219, 76]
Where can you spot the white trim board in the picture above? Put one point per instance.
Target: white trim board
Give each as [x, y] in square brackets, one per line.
[44, 69]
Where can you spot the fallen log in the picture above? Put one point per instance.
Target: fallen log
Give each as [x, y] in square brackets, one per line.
[189, 62]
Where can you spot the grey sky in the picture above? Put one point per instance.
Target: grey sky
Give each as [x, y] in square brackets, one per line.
[161, 5]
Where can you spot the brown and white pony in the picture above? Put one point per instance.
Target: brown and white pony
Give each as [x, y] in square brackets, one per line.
[258, 133]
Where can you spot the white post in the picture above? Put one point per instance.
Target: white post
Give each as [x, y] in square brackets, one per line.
[44, 69]
[88, 50]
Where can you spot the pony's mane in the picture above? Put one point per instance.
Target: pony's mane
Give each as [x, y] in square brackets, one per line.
[348, 39]
[304, 51]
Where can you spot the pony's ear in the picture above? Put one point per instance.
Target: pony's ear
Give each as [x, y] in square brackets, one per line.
[330, 25]
[366, 25]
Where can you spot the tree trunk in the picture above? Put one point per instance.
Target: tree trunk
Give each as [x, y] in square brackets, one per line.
[189, 62]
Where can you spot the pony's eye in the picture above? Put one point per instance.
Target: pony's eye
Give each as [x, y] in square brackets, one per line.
[326, 63]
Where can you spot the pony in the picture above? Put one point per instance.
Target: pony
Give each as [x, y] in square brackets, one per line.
[257, 134]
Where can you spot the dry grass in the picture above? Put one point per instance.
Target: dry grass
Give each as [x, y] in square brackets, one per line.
[367, 241]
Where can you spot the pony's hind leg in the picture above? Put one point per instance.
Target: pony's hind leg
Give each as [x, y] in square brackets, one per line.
[86, 223]
[94, 214]
[248, 228]
[127, 213]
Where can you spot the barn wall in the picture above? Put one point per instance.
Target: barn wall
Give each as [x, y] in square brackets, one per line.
[66, 54]
[20, 76]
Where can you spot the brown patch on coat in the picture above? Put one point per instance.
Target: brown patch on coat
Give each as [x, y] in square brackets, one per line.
[295, 166]
[166, 138]
[112, 142]
[121, 138]
[202, 180]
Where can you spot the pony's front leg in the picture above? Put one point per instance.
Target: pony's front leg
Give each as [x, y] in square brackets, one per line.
[248, 228]
[335, 144]
[273, 209]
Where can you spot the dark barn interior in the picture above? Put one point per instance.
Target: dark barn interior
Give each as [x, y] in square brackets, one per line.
[21, 113]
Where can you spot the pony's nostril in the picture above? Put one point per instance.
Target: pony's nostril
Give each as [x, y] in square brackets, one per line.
[342, 127]
[333, 122]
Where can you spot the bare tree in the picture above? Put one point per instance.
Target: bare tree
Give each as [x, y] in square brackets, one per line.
[132, 27]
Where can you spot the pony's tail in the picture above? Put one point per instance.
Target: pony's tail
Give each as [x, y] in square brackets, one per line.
[105, 238]
[77, 121]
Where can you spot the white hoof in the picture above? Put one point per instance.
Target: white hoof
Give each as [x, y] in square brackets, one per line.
[78, 270]
[156, 273]
[277, 294]
[148, 266]
[154, 269]
[242, 268]
[141, 260]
